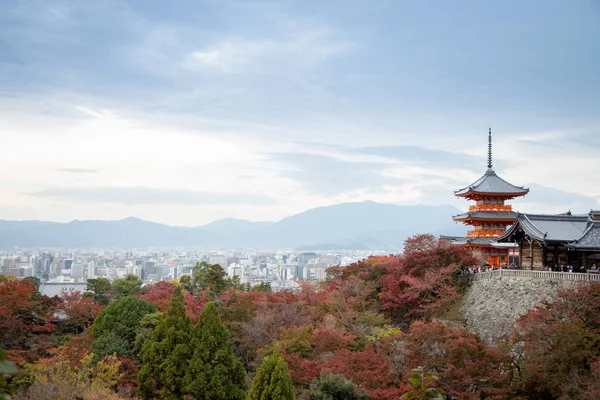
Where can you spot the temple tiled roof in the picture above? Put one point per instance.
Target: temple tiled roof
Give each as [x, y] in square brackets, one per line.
[549, 228]
[481, 241]
[590, 238]
[490, 183]
[487, 215]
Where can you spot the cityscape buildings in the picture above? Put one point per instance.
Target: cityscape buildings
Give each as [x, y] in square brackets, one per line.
[70, 269]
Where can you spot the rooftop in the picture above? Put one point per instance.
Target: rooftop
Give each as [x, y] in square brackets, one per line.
[590, 238]
[550, 227]
[490, 183]
[476, 241]
[486, 216]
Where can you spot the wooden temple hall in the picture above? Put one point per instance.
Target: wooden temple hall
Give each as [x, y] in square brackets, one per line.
[506, 238]
[563, 242]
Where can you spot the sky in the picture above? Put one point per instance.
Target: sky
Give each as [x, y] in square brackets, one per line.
[184, 112]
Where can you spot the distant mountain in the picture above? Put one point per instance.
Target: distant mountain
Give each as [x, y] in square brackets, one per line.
[365, 225]
[232, 226]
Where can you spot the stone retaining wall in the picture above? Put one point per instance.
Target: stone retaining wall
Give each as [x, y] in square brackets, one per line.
[492, 305]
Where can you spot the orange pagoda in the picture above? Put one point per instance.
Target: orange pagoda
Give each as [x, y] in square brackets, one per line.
[489, 216]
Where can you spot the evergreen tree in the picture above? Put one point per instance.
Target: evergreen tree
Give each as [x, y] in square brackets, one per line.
[272, 380]
[116, 327]
[335, 387]
[264, 287]
[122, 317]
[209, 276]
[98, 290]
[131, 285]
[165, 356]
[214, 373]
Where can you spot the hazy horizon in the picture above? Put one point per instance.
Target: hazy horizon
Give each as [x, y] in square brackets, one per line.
[185, 113]
[219, 219]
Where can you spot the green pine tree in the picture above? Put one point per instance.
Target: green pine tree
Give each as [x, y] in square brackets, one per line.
[272, 380]
[165, 356]
[335, 387]
[214, 373]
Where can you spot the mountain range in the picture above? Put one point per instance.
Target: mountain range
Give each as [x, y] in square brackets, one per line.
[365, 225]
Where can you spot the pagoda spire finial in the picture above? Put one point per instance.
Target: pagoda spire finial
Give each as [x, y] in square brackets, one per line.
[490, 149]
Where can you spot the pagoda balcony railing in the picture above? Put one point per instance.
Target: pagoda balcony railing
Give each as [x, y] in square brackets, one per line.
[486, 233]
[490, 207]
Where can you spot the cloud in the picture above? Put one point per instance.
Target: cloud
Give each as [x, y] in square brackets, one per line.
[303, 48]
[78, 170]
[423, 156]
[326, 175]
[204, 95]
[554, 200]
[132, 196]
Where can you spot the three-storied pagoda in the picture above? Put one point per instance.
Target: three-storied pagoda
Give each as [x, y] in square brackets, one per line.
[490, 216]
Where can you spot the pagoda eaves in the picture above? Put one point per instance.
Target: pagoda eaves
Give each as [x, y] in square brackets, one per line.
[491, 185]
[485, 216]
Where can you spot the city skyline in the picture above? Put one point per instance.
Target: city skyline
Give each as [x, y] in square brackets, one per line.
[206, 110]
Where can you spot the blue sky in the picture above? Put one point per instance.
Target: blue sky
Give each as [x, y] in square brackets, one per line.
[188, 111]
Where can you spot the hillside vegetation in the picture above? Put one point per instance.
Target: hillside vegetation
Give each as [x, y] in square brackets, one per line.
[366, 333]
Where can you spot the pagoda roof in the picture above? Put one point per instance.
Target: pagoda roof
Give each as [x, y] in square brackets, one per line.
[486, 215]
[492, 184]
[549, 227]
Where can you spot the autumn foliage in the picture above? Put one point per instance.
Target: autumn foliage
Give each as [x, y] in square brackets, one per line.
[372, 330]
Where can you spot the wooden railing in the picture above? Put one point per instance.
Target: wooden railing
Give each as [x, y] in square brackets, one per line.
[520, 273]
[490, 207]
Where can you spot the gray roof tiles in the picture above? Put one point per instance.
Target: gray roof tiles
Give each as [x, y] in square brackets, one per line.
[553, 228]
[492, 183]
[507, 215]
[461, 240]
[590, 238]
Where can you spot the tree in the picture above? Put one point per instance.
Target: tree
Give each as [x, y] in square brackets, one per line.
[122, 317]
[34, 281]
[159, 294]
[421, 283]
[272, 380]
[116, 327]
[186, 282]
[421, 382]
[209, 276]
[264, 287]
[368, 369]
[7, 368]
[79, 311]
[467, 367]
[131, 285]
[110, 343]
[26, 320]
[165, 357]
[56, 378]
[420, 243]
[98, 290]
[147, 325]
[235, 283]
[335, 387]
[557, 345]
[213, 373]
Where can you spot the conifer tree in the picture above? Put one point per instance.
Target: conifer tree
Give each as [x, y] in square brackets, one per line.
[272, 380]
[165, 356]
[213, 373]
